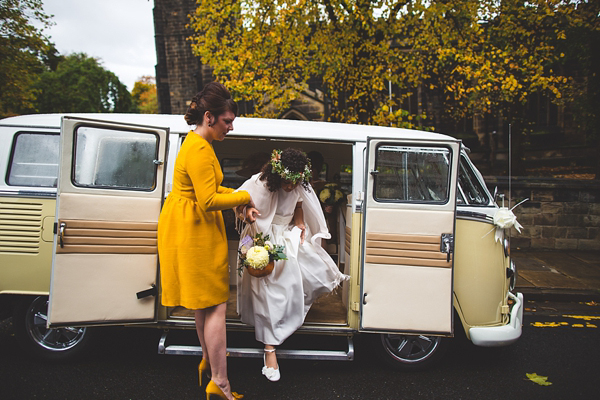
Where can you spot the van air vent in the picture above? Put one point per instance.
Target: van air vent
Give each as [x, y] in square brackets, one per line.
[20, 227]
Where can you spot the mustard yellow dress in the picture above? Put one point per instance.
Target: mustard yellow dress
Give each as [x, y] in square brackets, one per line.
[192, 245]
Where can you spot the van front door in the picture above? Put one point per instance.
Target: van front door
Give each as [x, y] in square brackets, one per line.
[110, 189]
[410, 205]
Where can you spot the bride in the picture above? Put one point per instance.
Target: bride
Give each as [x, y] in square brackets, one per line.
[291, 215]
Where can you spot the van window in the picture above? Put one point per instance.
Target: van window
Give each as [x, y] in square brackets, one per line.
[412, 174]
[34, 160]
[470, 189]
[119, 159]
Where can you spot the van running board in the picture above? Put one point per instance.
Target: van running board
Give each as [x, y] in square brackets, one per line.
[250, 352]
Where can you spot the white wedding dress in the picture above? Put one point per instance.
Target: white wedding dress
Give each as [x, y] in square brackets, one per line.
[277, 304]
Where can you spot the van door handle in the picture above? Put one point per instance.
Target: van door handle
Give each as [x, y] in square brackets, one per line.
[61, 234]
[153, 291]
[447, 245]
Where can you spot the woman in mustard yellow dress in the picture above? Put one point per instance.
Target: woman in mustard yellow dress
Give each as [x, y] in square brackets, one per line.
[192, 245]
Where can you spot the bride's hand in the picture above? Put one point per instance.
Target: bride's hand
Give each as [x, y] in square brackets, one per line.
[251, 214]
[302, 227]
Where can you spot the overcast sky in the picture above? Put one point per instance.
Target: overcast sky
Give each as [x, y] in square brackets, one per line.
[118, 32]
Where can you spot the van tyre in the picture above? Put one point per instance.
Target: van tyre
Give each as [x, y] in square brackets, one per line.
[29, 321]
[408, 352]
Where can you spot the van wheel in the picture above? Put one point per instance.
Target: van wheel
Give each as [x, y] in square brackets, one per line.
[29, 320]
[409, 352]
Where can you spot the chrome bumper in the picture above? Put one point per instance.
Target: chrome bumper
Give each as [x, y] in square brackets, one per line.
[495, 336]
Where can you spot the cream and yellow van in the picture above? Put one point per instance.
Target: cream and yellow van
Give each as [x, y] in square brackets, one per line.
[80, 198]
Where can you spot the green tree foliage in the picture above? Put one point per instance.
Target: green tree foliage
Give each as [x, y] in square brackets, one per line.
[144, 95]
[23, 50]
[472, 56]
[81, 84]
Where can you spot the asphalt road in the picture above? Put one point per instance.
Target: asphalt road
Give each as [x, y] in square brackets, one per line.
[557, 343]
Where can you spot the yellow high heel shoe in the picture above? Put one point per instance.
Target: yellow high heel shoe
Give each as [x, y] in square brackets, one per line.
[213, 390]
[203, 367]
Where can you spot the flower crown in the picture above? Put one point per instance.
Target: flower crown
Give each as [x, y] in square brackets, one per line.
[285, 173]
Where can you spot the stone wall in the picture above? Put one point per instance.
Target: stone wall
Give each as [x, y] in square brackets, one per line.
[179, 74]
[560, 214]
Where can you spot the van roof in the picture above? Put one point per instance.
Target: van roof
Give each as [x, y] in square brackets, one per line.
[243, 127]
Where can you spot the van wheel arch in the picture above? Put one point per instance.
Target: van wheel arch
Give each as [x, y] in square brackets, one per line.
[29, 321]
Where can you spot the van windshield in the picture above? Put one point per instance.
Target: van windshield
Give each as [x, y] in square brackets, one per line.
[470, 189]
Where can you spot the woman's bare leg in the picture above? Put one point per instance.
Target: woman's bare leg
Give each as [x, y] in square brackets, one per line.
[216, 345]
[200, 316]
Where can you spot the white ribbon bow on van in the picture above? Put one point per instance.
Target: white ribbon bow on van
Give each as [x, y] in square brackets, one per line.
[505, 219]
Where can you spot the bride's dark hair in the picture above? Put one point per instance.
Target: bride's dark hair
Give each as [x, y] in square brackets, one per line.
[293, 159]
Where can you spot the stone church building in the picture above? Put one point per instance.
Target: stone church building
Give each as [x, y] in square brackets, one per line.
[180, 75]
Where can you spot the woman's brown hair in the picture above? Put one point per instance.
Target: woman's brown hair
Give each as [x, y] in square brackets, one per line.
[214, 98]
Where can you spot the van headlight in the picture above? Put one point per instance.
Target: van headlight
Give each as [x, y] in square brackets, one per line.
[511, 274]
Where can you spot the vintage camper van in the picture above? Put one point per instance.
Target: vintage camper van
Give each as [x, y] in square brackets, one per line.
[80, 198]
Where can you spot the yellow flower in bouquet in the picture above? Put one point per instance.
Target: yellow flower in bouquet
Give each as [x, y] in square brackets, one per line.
[324, 195]
[257, 257]
[331, 194]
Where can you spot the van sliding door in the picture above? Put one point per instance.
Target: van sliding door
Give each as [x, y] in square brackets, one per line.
[104, 267]
[409, 212]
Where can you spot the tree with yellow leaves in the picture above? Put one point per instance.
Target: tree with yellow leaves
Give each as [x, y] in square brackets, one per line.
[469, 56]
[267, 51]
[144, 95]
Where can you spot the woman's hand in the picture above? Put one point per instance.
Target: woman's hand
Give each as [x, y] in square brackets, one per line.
[302, 227]
[239, 211]
[251, 214]
[299, 221]
[247, 212]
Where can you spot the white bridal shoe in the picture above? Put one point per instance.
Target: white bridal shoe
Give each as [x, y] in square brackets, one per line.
[272, 374]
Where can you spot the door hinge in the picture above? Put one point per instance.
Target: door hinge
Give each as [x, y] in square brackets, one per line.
[505, 309]
[355, 306]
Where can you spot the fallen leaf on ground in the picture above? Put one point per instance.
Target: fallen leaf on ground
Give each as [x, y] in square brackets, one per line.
[548, 324]
[540, 380]
[583, 317]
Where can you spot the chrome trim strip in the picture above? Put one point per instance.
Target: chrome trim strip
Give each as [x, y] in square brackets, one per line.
[27, 193]
[473, 215]
[185, 322]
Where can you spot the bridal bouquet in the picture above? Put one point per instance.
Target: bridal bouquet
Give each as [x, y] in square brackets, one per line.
[258, 254]
[331, 194]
